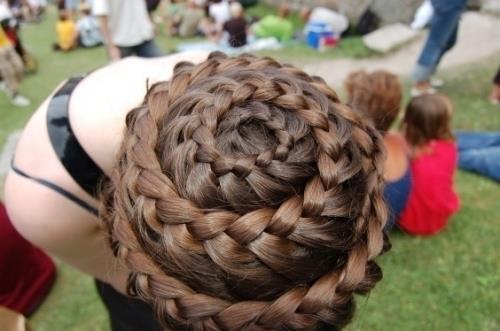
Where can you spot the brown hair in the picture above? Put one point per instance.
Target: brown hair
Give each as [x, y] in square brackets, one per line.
[378, 94]
[428, 117]
[247, 197]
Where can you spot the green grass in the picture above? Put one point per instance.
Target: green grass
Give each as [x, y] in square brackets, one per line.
[351, 47]
[447, 282]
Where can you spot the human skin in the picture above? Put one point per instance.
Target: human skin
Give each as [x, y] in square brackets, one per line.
[397, 161]
[98, 108]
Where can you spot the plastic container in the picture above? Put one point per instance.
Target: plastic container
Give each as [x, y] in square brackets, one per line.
[320, 36]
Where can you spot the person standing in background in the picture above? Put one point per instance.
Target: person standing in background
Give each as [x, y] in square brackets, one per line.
[442, 37]
[11, 71]
[126, 28]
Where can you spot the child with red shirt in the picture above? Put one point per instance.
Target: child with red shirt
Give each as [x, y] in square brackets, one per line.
[432, 201]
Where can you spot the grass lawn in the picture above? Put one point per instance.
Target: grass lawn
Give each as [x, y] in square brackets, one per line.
[447, 282]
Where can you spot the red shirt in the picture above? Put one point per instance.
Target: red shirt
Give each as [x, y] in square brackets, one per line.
[432, 200]
[27, 273]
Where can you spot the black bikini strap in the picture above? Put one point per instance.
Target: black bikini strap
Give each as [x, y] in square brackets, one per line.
[58, 189]
[72, 155]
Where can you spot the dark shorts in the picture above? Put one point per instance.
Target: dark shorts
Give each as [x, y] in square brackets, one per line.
[127, 314]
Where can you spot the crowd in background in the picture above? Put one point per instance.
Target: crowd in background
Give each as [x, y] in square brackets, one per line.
[92, 23]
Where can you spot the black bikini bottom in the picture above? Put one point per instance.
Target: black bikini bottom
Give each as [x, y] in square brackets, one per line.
[127, 314]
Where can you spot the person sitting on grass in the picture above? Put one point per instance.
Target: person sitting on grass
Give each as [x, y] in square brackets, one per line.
[234, 193]
[190, 19]
[172, 15]
[89, 32]
[426, 127]
[67, 35]
[277, 26]
[236, 28]
[379, 95]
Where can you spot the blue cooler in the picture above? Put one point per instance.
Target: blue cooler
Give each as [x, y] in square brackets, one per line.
[315, 31]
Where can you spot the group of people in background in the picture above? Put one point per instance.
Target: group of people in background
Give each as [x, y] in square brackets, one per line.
[422, 151]
[223, 22]
[421, 154]
[91, 23]
[85, 33]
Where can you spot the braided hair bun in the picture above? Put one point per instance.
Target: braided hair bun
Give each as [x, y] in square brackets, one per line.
[246, 196]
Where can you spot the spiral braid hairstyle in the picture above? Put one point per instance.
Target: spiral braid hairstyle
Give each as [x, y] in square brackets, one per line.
[247, 197]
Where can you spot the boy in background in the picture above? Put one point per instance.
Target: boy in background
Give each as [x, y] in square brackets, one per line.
[66, 32]
[89, 33]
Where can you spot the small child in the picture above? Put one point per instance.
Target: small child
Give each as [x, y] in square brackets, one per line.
[89, 32]
[432, 201]
[66, 32]
[236, 27]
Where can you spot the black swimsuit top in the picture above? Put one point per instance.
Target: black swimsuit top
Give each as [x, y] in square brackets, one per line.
[73, 157]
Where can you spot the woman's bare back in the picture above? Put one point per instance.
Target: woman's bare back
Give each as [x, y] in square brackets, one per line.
[98, 108]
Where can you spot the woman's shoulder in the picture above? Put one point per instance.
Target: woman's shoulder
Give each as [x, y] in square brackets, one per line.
[397, 163]
[100, 104]
[396, 143]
